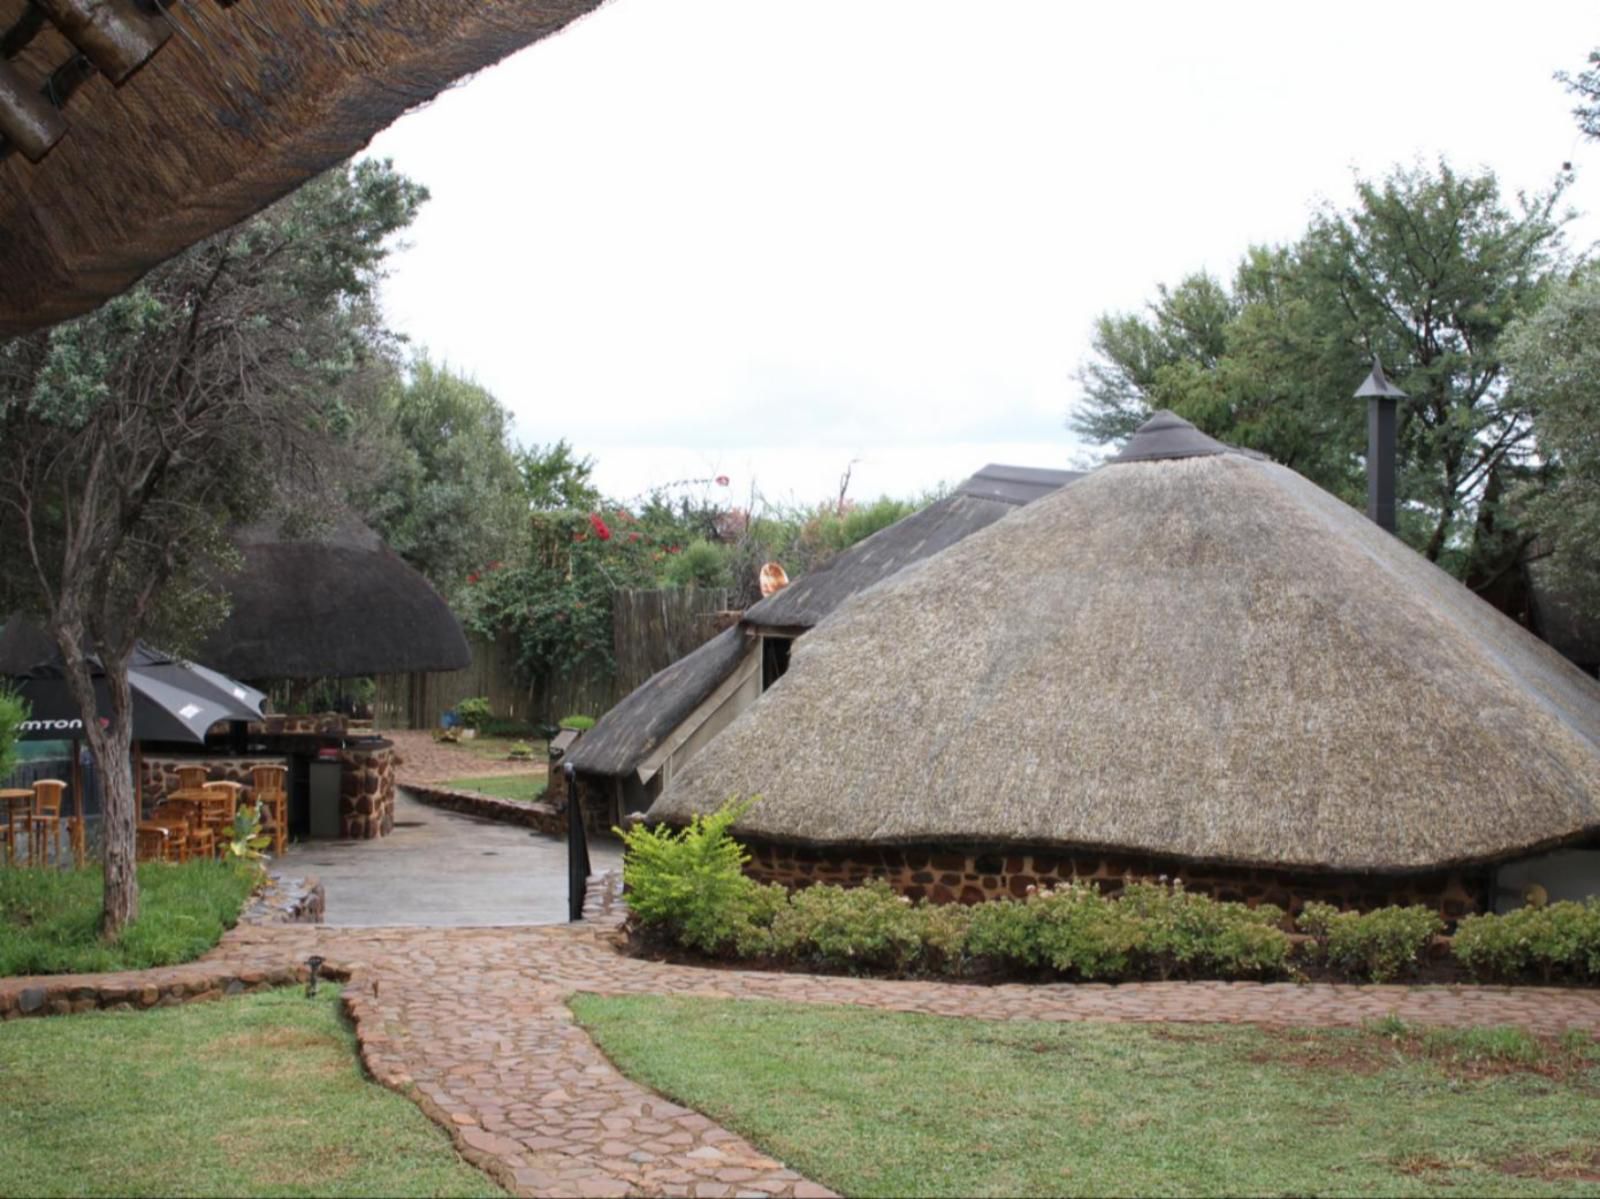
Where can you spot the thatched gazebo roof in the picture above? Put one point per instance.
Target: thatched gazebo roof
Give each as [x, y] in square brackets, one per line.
[337, 607]
[128, 131]
[1202, 656]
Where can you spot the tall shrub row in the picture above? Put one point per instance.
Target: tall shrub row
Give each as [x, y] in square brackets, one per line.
[686, 888]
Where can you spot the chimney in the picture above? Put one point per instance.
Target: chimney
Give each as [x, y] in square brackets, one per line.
[1382, 418]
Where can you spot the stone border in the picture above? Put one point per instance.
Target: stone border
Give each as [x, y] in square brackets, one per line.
[286, 900]
[139, 990]
[539, 816]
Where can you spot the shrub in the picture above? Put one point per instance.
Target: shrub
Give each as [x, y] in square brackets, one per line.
[13, 711]
[1188, 934]
[1072, 929]
[849, 927]
[1378, 945]
[508, 726]
[689, 884]
[581, 724]
[701, 564]
[1558, 940]
[473, 713]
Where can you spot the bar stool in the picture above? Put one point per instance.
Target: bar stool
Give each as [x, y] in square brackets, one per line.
[268, 791]
[220, 813]
[45, 820]
[157, 843]
[192, 778]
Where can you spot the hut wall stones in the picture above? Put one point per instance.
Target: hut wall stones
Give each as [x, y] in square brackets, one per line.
[973, 874]
[366, 791]
[159, 774]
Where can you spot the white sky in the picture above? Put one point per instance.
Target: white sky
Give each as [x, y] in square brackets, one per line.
[767, 238]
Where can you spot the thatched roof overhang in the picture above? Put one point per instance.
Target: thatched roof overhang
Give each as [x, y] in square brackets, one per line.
[221, 110]
[993, 492]
[339, 607]
[1206, 657]
[648, 714]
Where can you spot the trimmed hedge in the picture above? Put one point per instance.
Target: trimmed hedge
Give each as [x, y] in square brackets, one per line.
[687, 888]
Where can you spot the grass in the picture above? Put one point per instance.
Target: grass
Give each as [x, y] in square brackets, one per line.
[49, 919]
[499, 748]
[877, 1103]
[522, 787]
[259, 1095]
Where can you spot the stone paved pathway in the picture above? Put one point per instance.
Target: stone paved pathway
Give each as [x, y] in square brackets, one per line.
[473, 1024]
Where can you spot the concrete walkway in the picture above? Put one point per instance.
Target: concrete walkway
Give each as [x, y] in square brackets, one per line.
[440, 869]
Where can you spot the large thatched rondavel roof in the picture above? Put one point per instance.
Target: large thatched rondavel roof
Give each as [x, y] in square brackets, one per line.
[1190, 652]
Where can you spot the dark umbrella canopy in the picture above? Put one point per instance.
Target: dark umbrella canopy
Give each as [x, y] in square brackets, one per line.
[173, 700]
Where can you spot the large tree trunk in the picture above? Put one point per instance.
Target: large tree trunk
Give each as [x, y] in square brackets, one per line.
[110, 744]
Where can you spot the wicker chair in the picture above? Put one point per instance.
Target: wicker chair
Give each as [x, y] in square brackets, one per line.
[270, 793]
[44, 821]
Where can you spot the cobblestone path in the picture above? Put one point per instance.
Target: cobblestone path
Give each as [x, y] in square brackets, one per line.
[473, 1024]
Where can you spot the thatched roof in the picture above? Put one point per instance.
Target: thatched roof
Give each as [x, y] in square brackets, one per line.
[341, 606]
[651, 711]
[976, 503]
[1204, 657]
[220, 110]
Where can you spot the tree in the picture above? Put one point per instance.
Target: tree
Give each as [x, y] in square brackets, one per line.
[135, 436]
[554, 477]
[447, 491]
[1586, 86]
[13, 711]
[1426, 271]
[1554, 359]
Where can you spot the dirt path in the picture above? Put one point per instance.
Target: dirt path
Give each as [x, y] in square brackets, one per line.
[424, 760]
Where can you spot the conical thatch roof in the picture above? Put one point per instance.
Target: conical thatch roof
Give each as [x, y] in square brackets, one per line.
[218, 111]
[336, 607]
[1206, 657]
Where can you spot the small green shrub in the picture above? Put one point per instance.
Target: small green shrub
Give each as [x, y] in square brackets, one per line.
[474, 713]
[1378, 945]
[689, 883]
[849, 927]
[1185, 934]
[580, 724]
[1556, 941]
[13, 711]
[701, 564]
[509, 727]
[519, 751]
[1073, 929]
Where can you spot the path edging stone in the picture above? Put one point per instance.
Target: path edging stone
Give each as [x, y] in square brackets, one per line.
[541, 817]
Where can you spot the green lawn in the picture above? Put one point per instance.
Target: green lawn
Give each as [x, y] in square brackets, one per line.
[877, 1103]
[498, 748]
[259, 1095]
[49, 919]
[523, 787]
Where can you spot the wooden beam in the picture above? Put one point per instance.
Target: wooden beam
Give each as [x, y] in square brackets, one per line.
[27, 119]
[112, 34]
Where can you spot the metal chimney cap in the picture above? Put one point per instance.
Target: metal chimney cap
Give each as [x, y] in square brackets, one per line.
[1378, 385]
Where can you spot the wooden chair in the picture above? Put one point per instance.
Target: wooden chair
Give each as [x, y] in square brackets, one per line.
[45, 820]
[194, 838]
[269, 791]
[220, 812]
[157, 843]
[192, 778]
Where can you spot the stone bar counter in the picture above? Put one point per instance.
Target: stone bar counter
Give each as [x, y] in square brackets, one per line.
[366, 774]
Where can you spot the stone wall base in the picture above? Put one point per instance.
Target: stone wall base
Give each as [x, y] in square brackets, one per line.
[541, 816]
[955, 874]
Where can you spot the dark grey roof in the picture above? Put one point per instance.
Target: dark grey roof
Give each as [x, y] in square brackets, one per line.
[1168, 435]
[341, 606]
[628, 732]
[978, 502]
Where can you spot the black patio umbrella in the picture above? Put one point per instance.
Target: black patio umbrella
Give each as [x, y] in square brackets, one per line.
[173, 700]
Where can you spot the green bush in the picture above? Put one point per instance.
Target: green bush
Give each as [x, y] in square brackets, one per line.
[509, 727]
[1186, 935]
[1378, 945]
[580, 724]
[474, 713]
[1073, 929]
[13, 711]
[849, 927]
[700, 564]
[1555, 941]
[689, 884]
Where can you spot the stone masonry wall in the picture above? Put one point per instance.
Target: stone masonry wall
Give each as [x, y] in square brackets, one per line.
[953, 874]
[160, 775]
[366, 791]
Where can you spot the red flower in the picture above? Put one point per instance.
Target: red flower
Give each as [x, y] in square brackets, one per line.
[473, 577]
[599, 527]
[722, 480]
[673, 549]
[633, 537]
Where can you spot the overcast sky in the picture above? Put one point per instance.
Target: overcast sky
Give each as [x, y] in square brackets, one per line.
[770, 238]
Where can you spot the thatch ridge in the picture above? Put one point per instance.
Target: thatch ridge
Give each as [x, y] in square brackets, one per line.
[1206, 658]
[625, 735]
[238, 109]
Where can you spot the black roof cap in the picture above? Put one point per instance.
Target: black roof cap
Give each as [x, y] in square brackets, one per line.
[1168, 435]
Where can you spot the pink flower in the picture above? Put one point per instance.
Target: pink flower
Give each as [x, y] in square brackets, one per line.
[722, 480]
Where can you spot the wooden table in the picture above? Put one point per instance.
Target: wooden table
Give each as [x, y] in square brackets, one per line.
[209, 807]
[17, 801]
